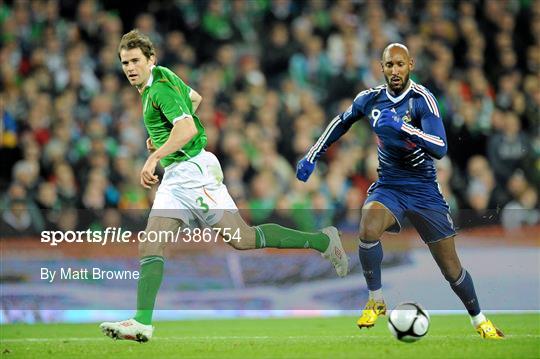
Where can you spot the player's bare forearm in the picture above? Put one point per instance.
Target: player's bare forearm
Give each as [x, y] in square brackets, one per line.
[182, 132]
[335, 129]
[196, 99]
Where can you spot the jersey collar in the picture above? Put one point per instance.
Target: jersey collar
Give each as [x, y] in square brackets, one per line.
[400, 97]
[151, 78]
[149, 82]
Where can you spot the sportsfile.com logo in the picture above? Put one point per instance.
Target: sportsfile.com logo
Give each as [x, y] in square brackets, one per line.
[117, 235]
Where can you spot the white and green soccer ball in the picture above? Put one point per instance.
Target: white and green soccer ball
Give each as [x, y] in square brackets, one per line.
[408, 322]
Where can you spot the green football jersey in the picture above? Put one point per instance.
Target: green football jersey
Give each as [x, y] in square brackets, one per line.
[166, 100]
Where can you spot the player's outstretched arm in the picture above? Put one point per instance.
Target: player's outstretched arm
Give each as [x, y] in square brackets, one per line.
[337, 128]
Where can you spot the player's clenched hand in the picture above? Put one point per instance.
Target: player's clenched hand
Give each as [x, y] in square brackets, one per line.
[150, 145]
[304, 168]
[148, 177]
[388, 119]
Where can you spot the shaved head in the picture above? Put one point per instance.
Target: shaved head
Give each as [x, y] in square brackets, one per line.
[396, 64]
[395, 45]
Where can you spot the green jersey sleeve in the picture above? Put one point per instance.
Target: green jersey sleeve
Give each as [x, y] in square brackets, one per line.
[172, 103]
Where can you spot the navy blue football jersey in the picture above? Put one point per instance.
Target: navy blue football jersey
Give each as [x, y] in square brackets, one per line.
[405, 156]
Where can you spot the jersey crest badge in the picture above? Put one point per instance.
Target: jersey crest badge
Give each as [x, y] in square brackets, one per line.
[407, 117]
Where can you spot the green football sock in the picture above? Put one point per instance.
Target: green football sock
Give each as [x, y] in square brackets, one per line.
[148, 286]
[275, 236]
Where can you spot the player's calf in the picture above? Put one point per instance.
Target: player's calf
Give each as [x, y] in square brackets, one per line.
[444, 253]
[236, 232]
[245, 241]
[151, 269]
[464, 288]
[269, 235]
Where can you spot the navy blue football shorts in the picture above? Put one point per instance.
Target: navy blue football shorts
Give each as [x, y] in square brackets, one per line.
[423, 204]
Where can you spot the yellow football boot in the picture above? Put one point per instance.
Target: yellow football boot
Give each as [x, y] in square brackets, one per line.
[371, 312]
[489, 331]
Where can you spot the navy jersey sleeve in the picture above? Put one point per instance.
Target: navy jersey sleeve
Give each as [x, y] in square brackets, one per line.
[431, 137]
[339, 126]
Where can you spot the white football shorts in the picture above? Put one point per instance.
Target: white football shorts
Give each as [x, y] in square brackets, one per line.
[193, 190]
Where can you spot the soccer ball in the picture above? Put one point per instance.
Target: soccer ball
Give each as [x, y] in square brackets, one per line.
[408, 322]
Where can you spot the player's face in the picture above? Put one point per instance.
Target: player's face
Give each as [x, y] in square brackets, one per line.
[136, 66]
[396, 66]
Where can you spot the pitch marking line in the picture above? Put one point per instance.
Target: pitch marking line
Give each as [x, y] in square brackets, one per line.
[195, 338]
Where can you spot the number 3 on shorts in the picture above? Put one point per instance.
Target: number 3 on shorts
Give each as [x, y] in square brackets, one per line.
[204, 206]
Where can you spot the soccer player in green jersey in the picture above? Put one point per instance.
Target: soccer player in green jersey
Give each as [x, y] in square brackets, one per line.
[192, 186]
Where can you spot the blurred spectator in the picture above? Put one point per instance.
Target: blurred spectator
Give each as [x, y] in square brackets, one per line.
[468, 134]
[47, 197]
[26, 173]
[311, 67]
[20, 216]
[283, 214]
[276, 54]
[444, 175]
[508, 150]
[484, 196]
[263, 197]
[67, 187]
[349, 219]
[16, 219]
[522, 210]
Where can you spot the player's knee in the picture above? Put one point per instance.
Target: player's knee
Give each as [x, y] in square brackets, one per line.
[370, 232]
[453, 275]
[451, 270]
[151, 249]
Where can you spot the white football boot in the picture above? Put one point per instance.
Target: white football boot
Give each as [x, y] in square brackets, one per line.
[335, 253]
[127, 330]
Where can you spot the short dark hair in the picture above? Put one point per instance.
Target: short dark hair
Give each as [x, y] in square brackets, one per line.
[135, 39]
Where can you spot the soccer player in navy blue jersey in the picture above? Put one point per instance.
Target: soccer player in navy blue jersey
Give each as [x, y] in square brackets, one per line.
[406, 118]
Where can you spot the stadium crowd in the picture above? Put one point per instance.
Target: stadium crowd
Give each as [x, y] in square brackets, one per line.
[271, 74]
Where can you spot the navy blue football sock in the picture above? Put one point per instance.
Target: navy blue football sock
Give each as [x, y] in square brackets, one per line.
[464, 288]
[371, 255]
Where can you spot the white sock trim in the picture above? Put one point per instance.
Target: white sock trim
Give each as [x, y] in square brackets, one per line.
[478, 319]
[376, 295]
[261, 236]
[461, 278]
[368, 245]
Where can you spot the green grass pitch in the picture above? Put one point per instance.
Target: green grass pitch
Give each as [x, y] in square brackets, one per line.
[448, 337]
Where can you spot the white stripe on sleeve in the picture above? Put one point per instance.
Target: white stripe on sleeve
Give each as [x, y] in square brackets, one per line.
[181, 117]
[320, 142]
[430, 100]
[430, 138]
